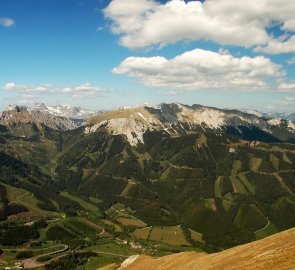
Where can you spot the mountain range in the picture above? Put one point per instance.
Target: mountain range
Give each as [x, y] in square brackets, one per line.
[60, 117]
[172, 118]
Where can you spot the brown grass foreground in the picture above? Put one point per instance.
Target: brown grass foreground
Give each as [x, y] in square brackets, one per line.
[276, 252]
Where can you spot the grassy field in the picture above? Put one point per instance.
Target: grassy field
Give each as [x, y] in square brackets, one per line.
[286, 159]
[196, 236]
[255, 163]
[237, 165]
[249, 216]
[81, 228]
[218, 183]
[238, 185]
[101, 261]
[118, 210]
[172, 235]
[143, 233]
[266, 231]
[125, 191]
[113, 247]
[117, 227]
[131, 222]
[18, 195]
[86, 205]
[247, 183]
[275, 161]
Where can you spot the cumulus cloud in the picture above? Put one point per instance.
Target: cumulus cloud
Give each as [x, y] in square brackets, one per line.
[84, 90]
[287, 86]
[168, 93]
[145, 23]
[27, 89]
[275, 46]
[201, 69]
[7, 22]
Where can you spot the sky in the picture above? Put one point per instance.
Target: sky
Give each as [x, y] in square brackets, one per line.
[103, 54]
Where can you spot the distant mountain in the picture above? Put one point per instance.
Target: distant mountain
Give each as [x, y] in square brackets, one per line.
[176, 119]
[67, 111]
[14, 115]
[281, 115]
[61, 117]
[286, 116]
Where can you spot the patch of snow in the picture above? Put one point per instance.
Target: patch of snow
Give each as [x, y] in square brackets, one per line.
[274, 122]
[291, 125]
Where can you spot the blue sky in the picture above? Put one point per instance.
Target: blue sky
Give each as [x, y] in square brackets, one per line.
[103, 54]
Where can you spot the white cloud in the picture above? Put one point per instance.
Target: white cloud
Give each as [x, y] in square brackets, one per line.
[79, 91]
[275, 46]
[27, 89]
[7, 22]
[145, 23]
[287, 86]
[168, 93]
[201, 69]
[83, 91]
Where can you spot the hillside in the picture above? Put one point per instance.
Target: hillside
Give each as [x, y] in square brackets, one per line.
[163, 179]
[276, 252]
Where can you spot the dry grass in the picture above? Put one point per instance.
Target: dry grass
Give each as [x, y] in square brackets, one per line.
[173, 236]
[123, 113]
[131, 222]
[255, 163]
[117, 227]
[156, 234]
[169, 235]
[276, 252]
[196, 236]
[125, 191]
[142, 233]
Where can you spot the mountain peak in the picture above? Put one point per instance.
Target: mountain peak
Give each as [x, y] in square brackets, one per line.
[16, 108]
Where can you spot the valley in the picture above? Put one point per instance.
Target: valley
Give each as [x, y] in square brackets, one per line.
[146, 180]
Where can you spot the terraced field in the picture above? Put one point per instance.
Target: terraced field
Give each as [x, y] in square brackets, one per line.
[172, 235]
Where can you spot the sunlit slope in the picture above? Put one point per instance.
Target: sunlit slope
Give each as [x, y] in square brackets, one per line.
[274, 252]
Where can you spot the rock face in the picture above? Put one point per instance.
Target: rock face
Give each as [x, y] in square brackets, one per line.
[276, 252]
[176, 119]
